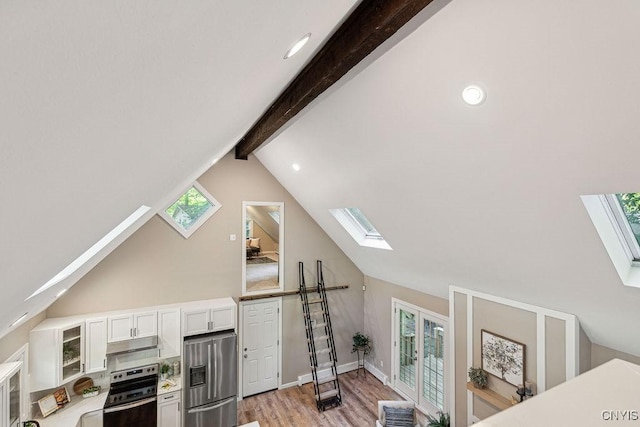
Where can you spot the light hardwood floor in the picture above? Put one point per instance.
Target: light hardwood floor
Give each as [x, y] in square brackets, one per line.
[296, 406]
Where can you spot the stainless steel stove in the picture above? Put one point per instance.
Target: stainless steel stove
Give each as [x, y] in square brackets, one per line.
[132, 398]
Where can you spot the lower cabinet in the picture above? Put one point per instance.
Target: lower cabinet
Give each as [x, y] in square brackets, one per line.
[169, 410]
[92, 419]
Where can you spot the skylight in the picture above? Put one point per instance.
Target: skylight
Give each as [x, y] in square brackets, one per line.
[192, 209]
[616, 218]
[360, 228]
[93, 250]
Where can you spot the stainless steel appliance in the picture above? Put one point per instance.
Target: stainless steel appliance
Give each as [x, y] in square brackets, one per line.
[210, 380]
[132, 399]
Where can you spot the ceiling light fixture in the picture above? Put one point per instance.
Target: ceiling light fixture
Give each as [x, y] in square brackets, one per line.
[18, 320]
[473, 95]
[297, 46]
[296, 167]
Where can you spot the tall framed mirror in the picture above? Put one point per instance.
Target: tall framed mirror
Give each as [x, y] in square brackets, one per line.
[263, 251]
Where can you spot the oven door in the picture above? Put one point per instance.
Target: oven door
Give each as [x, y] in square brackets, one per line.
[143, 413]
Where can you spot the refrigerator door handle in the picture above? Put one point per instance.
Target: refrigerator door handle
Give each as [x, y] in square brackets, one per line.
[215, 366]
[209, 371]
[211, 408]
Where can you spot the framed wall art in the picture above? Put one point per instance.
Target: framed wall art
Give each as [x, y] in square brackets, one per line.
[503, 358]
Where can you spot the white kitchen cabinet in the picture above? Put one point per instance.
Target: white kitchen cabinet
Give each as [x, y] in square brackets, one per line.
[95, 345]
[137, 325]
[169, 407]
[200, 319]
[10, 394]
[169, 339]
[92, 419]
[56, 350]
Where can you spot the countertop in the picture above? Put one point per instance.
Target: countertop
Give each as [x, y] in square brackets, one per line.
[171, 385]
[72, 412]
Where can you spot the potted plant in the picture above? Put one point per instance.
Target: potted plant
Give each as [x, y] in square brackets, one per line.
[362, 343]
[478, 377]
[164, 371]
[440, 420]
[91, 391]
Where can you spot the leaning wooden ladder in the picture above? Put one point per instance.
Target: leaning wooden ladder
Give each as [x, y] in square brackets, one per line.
[322, 348]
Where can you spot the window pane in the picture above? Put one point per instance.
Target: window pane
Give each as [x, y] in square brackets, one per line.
[433, 364]
[364, 222]
[407, 347]
[188, 208]
[630, 203]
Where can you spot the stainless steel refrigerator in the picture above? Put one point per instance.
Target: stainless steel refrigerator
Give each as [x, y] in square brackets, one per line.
[211, 380]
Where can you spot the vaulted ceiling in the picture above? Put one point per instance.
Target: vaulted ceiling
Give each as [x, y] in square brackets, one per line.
[108, 106]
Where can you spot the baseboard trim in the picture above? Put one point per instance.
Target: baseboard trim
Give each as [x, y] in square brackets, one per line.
[288, 385]
[347, 367]
[376, 372]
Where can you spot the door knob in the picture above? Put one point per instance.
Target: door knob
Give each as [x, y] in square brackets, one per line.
[245, 356]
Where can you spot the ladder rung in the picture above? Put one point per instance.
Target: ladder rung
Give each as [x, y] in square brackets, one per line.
[323, 351]
[324, 337]
[327, 395]
[326, 380]
[315, 313]
[320, 325]
[315, 301]
[324, 364]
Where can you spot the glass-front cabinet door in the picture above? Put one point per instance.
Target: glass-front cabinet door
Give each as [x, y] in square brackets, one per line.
[72, 353]
[14, 400]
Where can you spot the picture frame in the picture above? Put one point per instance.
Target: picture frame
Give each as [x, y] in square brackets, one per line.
[62, 397]
[503, 357]
[48, 405]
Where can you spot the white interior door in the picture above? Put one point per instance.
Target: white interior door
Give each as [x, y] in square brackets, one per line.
[260, 347]
[406, 350]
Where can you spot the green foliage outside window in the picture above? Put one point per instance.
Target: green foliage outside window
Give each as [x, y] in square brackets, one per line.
[189, 207]
[630, 203]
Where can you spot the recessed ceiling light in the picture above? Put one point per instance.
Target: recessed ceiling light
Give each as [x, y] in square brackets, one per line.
[18, 320]
[296, 167]
[59, 294]
[297, 46]
[473, 95]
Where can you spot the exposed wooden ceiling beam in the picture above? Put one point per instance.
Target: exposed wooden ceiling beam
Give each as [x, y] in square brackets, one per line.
[368, 26]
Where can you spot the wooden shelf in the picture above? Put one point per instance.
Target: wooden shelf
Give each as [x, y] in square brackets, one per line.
[490, 396]
[286, 293]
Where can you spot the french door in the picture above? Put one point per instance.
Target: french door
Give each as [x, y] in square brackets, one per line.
[420, 355]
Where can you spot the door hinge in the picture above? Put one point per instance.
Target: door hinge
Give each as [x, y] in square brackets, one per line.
[278, 376]
[394, 344]
[278, 309]
[394, 376]
[278, 342]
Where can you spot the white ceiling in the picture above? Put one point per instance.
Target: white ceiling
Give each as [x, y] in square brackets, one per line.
[105, 106]
[108, 105]
[486, 197]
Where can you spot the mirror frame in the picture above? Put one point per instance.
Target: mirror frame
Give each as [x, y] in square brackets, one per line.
[281, 248]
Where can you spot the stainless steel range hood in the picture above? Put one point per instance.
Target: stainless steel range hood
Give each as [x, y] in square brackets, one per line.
[135, 344]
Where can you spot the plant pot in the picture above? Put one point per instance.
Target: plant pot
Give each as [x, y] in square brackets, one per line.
[479, 386]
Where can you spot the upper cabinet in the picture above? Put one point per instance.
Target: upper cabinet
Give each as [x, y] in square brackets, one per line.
[10, 396]
[96, 345]
[66, 341]
[169, 339]
[137, 325]
[209, 316]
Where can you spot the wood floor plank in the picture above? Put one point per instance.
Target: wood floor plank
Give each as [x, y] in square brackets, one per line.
[296, 406]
